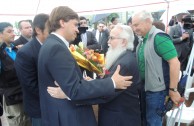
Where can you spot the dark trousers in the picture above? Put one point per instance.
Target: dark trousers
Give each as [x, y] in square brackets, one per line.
[142, 97]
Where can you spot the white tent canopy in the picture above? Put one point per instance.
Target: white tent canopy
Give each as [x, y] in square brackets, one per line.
[26, 9]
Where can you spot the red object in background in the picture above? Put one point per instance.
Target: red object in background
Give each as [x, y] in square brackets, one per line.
[107, 72]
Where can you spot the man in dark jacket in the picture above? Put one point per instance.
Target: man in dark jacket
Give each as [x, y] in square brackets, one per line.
[89, 41]
[121, 108]
[26, 68]
[25, 28]
[12, 93]
[56, 64]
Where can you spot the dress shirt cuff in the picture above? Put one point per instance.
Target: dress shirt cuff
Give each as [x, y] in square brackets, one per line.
[113, 83]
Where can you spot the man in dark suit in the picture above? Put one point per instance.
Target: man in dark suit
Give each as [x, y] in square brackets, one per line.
[122, 108]
[102, 36]
[25, 29]
[55, 63]
[182, 39]
[26, 67]
[89, 41]
[117, 109]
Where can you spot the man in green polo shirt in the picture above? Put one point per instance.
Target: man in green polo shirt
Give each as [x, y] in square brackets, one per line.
[158, 65]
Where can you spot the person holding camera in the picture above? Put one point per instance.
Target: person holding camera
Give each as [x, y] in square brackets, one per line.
[88, 39]
[182, 38]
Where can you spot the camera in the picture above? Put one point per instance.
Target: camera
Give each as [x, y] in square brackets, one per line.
[78, 38]
[188, 22]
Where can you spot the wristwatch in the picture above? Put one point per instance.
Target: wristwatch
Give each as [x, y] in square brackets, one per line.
[173, 89]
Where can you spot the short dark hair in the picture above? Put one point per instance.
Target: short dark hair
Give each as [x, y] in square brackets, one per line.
[19, 23]
[113, 19]
[40, 21]
[101, 22]
[129, 20]
[4, 25]
[159, 25]
[82, 18]
[60, 13]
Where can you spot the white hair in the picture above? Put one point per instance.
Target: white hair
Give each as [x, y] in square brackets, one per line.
[143, 15]
[112, 55]
[126, 33]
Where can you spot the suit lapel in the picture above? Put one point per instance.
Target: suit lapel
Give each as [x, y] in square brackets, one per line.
[63, 44]
[36, 44]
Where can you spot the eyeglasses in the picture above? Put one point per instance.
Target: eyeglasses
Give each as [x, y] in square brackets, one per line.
[111, 38]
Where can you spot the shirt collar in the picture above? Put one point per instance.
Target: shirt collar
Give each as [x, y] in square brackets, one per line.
[28, 39]
[9, 48]
[39, 41]
[62, 38]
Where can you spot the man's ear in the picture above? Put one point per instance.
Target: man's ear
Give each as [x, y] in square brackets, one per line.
[62, 23]
[124, 43]
[38, 30]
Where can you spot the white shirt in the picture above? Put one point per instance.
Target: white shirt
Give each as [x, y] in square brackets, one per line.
[84, 39]
[97, 35]
[61, 37]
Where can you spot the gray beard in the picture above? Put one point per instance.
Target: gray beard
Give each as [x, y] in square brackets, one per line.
[112, 55]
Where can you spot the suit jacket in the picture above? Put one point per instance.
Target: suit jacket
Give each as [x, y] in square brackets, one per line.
[182, 46]
[26, 66]
[20, 40]
[103, 42]
[55, 63]
[122, 108]
[91, 41]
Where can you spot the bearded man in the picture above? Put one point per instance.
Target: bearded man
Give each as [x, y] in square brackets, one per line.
[122, 108]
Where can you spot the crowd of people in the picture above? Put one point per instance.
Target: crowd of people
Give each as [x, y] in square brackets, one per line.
[42, 85]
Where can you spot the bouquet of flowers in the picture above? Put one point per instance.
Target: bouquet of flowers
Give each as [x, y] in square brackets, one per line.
[87, 58]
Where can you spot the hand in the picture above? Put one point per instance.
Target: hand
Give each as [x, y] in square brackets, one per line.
[175, 97]
[88, 78]
[101, 75]
[122, 82]
[185, 35]
[56, 92]
[19, 46]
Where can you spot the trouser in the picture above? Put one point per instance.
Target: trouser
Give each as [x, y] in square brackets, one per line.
[154, 103]
[15, 115]
[142, 97]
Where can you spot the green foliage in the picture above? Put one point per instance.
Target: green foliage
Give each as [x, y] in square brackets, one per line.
[112, 15]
